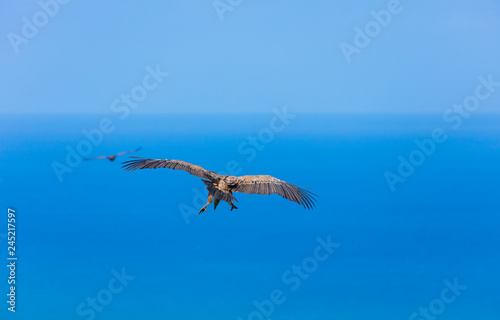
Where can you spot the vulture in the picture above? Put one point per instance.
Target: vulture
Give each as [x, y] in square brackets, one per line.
[113, 157]
[221, 187]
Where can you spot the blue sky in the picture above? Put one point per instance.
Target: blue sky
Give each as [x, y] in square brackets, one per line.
[261, 55]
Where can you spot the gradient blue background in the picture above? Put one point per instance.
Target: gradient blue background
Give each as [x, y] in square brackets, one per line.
[396, 248]
[263, 54]
[352, 122]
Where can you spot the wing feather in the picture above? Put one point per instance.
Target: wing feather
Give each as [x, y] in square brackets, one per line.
[264, 184]
[144, 163]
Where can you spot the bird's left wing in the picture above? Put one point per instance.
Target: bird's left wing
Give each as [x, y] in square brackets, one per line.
[264, 184]
[144, 163]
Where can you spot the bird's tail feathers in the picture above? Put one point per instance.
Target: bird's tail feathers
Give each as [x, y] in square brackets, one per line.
[224, 196]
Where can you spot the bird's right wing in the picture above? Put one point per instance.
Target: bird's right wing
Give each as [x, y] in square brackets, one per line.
[94, 158]
[144, 163]
[126, 152]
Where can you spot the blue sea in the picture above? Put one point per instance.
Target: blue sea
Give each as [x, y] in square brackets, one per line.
[406, 224]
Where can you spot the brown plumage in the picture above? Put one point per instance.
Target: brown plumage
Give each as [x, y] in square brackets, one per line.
[112, 158]
[221, 187]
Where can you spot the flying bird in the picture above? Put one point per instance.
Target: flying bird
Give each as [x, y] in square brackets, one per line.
[221, 187]
[112, 158]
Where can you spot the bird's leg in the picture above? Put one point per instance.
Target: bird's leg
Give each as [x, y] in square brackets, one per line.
[209, 201]
[233, 206]
[216, 202]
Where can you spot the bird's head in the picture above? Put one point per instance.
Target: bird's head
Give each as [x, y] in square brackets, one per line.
[230, 179]
[214, 176]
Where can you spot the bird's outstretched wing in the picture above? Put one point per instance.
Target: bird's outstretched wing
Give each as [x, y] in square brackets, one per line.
[264, 184]
[144, 163]
[127, 152]
[94, 158]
